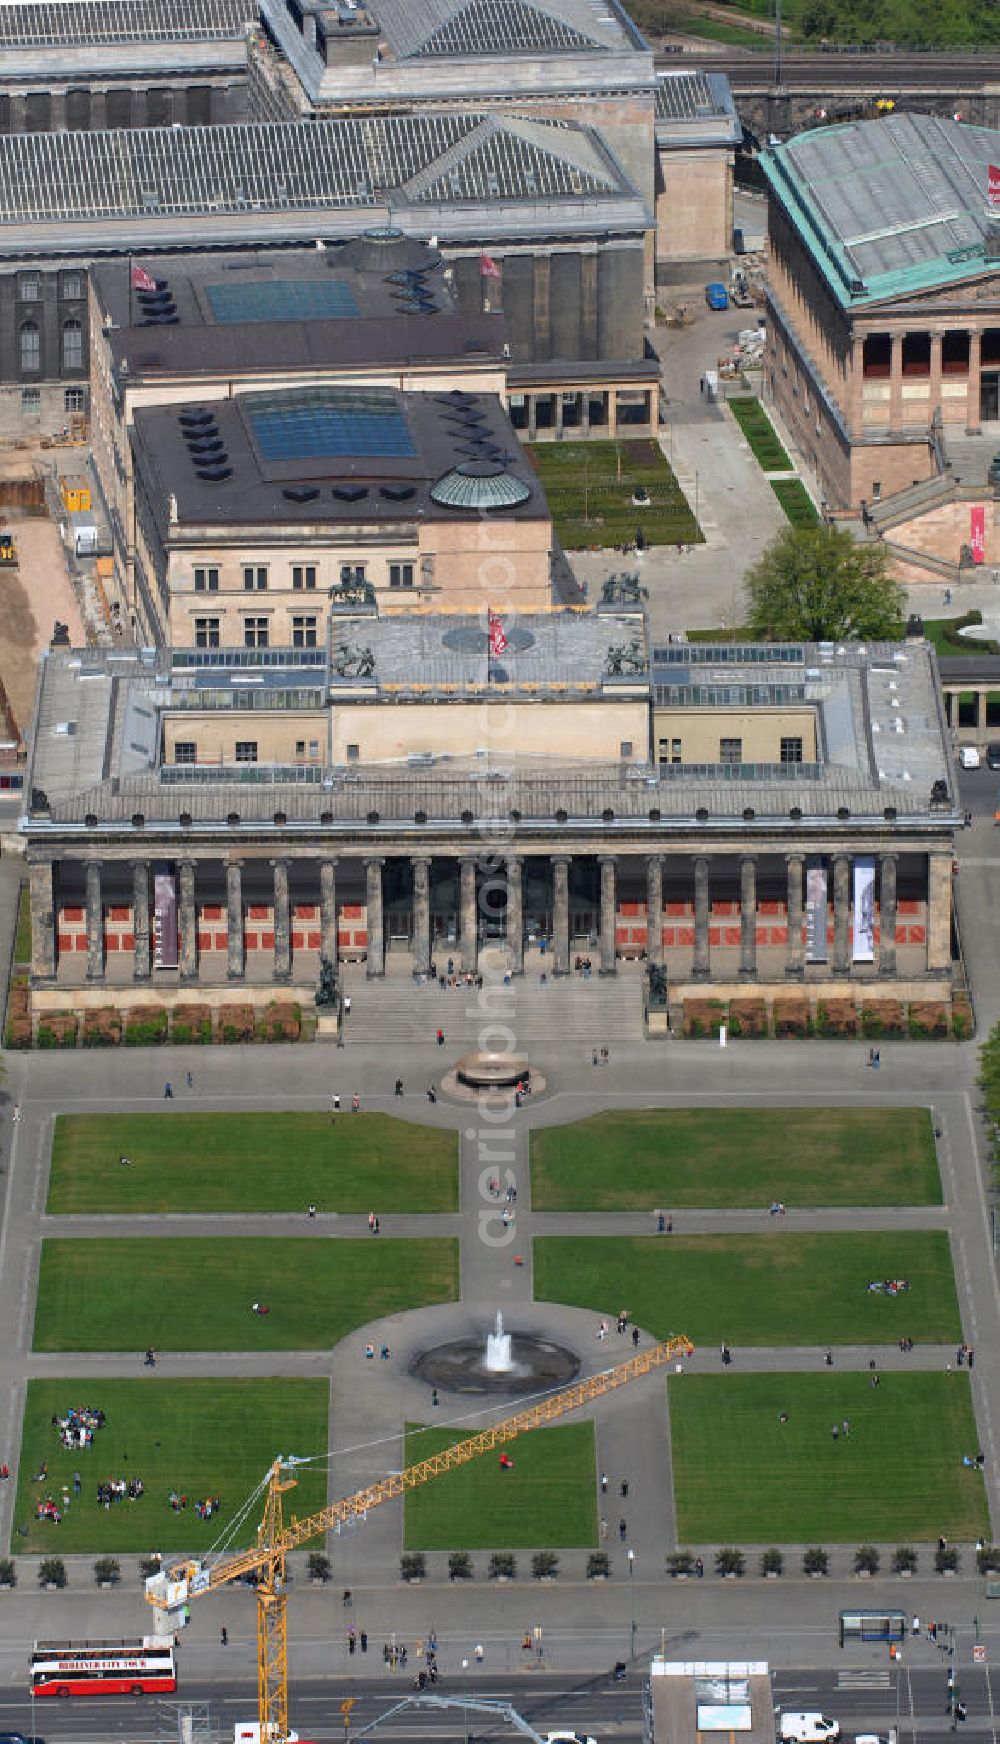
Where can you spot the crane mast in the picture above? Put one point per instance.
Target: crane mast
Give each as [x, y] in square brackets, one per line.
[170, 1589]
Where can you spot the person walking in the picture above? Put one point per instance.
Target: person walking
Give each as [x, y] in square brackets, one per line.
[224, 1636]
[604, 1483]
[439, 1037]
[622, 1530]
[311, 1213]
[168, 1091]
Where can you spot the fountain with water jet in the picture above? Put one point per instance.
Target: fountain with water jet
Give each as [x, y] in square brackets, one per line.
[503, 1362]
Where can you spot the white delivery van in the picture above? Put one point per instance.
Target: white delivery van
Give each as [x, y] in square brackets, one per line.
[968, 757]
[807, 1729]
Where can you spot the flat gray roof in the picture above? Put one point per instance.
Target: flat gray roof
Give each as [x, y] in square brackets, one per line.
[66, 23]
[883, 737]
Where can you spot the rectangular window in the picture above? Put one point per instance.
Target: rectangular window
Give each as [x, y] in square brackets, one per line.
[185, 751]
[303, 576]
[31, 401]
[72, 286]
[206, 632]
[676, 754]
[625, 748]
[255, 577]
[206, 580]
[246, 750]
[877, 491]
[353, 753]
[300, 747]
[303, 632]
[351, 574]
[401, 575]
[255, 633]
[730, 750]
[314, 750]
[28, 288]
[74, 399]
[791, 750]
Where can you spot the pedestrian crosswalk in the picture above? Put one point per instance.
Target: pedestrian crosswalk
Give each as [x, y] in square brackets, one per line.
[874, 1677]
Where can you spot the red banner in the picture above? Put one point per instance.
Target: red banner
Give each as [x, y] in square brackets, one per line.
[498, 640]
[977, 532]
[994, 184]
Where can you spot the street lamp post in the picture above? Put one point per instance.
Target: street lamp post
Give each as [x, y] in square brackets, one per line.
[631, 1594]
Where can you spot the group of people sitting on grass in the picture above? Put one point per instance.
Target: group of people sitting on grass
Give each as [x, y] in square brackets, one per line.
[888, 1286]
[78, 1426]
[117, 1490]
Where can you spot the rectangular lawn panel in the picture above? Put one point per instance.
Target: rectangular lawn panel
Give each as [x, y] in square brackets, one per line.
[767, 1289]
[249, 1162]
[199, 1437]
[197, 1294]
[590, 486]
[741, 1476]
[547, 1502]
[714, 1158]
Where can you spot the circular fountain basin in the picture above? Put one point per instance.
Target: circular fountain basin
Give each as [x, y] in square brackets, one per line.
[492, 1071]
[460, 1367]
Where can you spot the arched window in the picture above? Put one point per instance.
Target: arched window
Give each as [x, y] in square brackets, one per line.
[72, 345]
[31, 345]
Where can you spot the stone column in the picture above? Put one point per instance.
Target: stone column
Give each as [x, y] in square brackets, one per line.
[375, 966]
[187, 922]
[609, 909]
[701, 968]
[468, 917]
[654, 908]
[141, 961]
[887, 914]
[795, 960]
[939, 914]
[896, 382]
[560, 915]
[282, 923]
[328, 910]
[42, 902]
[935, 380]
[515, 913]
[748, 917]
[842, 914]
[421, 914]
[95, 922]
[973, 421]
[235, 954]
[982, 707]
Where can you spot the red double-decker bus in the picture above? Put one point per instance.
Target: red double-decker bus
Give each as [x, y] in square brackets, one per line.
[144, 1666]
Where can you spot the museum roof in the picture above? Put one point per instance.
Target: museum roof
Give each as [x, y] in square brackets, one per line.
[60, 23]
[884, 756]
[328, 454]
[468, 175]
[288, 308]
[893, 206]
[695, 108]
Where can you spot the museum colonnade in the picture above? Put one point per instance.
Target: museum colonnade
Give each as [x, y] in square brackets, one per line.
[165, 926]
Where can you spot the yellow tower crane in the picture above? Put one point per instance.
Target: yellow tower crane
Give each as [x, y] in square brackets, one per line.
[171, 1589]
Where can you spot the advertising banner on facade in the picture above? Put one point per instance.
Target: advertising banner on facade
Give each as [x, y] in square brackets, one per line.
[977, 532]
[815, 911]
[164, 916]
[864, 909]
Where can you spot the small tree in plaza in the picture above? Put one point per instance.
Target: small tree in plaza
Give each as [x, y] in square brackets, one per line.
[814, 584]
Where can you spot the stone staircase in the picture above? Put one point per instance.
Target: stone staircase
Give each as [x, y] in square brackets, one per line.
[593, 1012]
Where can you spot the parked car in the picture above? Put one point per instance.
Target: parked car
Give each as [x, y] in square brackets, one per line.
[716, 295]
[993, 756]
[968, 757]
[808, 1729]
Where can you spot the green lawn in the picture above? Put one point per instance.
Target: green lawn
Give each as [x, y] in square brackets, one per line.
[196, 1294]
[22, 933]
[795, 501]
[547, 1502]
[743, 1477]
[759, 432]
[200, 1438]
[766, 1289]
[250, 1162]
[714, 1158]
[589, 487]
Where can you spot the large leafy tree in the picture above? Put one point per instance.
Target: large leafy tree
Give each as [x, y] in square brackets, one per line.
[814, 584]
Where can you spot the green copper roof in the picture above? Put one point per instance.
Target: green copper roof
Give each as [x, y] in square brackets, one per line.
[892, 206]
